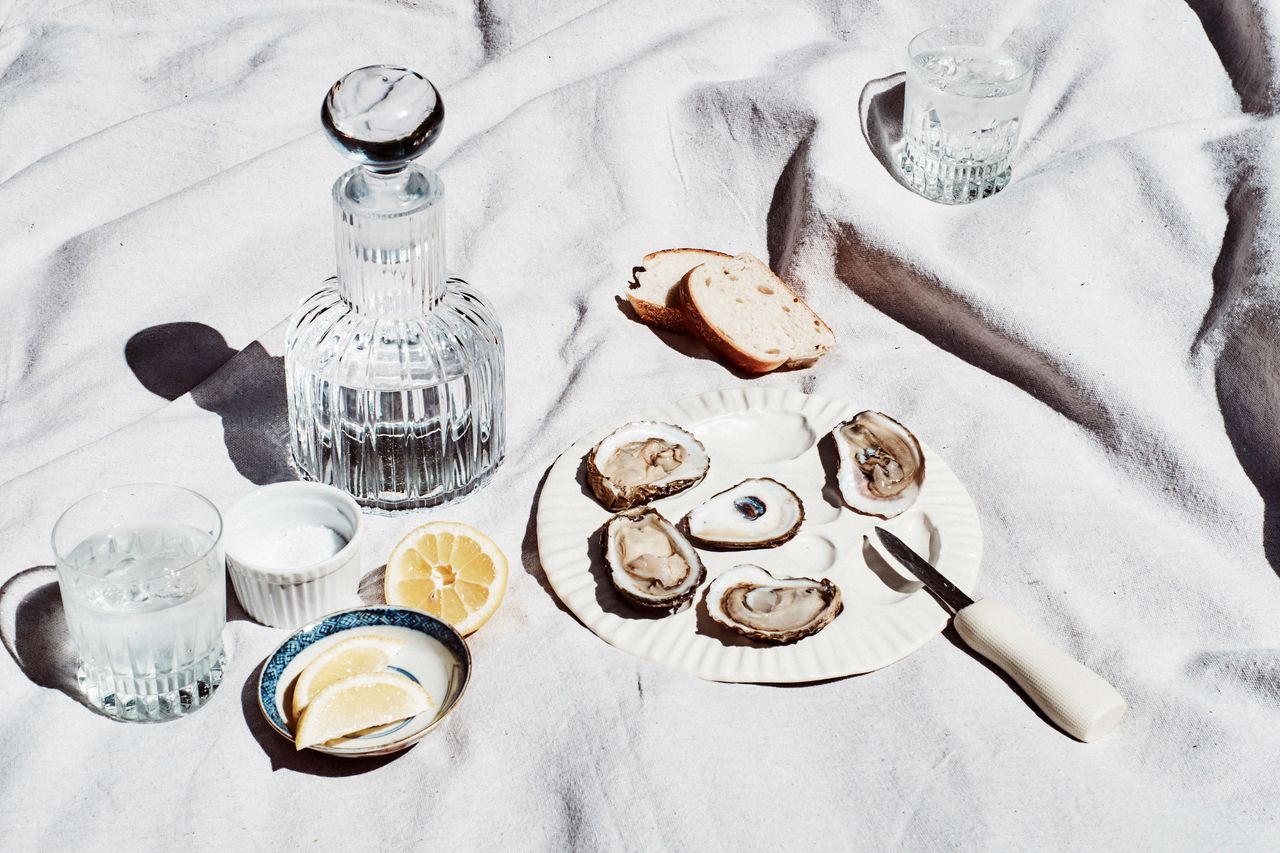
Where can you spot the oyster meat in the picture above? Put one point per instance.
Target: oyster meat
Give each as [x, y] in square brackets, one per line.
[749, 600]
[650, 562]
[881, 465]
[643, 461]
[756, 513]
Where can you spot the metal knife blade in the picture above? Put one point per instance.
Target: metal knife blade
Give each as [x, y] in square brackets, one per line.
[950, 594]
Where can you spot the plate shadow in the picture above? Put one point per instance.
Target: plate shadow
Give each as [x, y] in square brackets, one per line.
[282, 753]
[529, 559]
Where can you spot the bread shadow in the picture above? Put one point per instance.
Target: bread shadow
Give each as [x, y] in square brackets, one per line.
[788, 210]
[685, 345]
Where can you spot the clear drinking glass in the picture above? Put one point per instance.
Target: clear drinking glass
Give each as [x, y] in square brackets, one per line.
[966, 90]
[143, 585]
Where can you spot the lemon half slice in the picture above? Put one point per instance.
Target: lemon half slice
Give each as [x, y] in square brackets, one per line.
[450, 570]
[361, 654]
[357, 703]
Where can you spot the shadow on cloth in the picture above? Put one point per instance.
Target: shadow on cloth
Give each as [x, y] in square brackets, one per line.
[246, 389]
[686, 345]
[954, 638]
[788, 212]
[912, 296]
[1247, 372]
[372, 589]
[529, 558]
[33, 628]
[920, 302]
[1238, 32]
[282, 753]
[880, 109]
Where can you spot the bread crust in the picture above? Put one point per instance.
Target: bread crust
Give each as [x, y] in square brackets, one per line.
[664, 317]
[669, 316]
[811, 358]
[723, 345]
[717, 341]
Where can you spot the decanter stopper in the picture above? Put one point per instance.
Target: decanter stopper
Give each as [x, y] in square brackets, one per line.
[382, 116]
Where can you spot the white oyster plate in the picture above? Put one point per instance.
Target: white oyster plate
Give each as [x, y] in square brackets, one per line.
[762, 432]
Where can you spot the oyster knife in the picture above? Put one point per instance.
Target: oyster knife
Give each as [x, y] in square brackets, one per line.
[1077, 699]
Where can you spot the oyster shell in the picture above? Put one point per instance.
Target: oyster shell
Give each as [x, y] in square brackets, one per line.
[650, 562]
[751, 601]
[757, 513]
[881, 465]
[643, 461]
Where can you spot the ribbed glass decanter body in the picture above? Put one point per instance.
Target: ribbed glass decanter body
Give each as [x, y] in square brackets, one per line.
[395, 374]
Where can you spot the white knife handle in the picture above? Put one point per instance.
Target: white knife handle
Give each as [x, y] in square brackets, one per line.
[1075, 697]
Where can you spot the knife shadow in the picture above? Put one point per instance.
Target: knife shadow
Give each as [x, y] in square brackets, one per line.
[954, 638]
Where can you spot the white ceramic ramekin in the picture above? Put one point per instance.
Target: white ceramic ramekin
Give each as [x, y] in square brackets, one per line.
[289, 596]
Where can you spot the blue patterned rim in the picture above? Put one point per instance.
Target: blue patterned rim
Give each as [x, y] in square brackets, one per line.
[345, 620]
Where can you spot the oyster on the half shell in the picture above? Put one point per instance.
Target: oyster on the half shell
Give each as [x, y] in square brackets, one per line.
[757, 513]
[881, 464]
[749, 600]
[649, 560]
[644, 461]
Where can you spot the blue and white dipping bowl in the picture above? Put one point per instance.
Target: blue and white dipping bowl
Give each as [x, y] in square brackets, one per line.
[433, 654]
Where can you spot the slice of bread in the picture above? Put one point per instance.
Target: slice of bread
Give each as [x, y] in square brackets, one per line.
[749, 317]
[652, 290]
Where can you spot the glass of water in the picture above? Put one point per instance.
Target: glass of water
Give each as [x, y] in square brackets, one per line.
[966, 90]
[143, 585]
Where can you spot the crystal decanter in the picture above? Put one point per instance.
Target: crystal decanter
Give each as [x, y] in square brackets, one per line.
[395, 373]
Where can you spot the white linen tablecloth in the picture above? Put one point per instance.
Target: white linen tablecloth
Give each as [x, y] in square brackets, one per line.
[1093, 350]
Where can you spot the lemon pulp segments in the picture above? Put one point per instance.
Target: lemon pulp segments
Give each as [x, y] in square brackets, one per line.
[451, 571]
[360, 702]
[343, 659]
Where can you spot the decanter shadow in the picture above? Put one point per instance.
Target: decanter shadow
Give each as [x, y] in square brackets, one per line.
[245, 388]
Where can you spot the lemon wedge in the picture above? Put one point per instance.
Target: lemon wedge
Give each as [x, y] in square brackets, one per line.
[360, 702]
[364, 653]
[450, 570]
